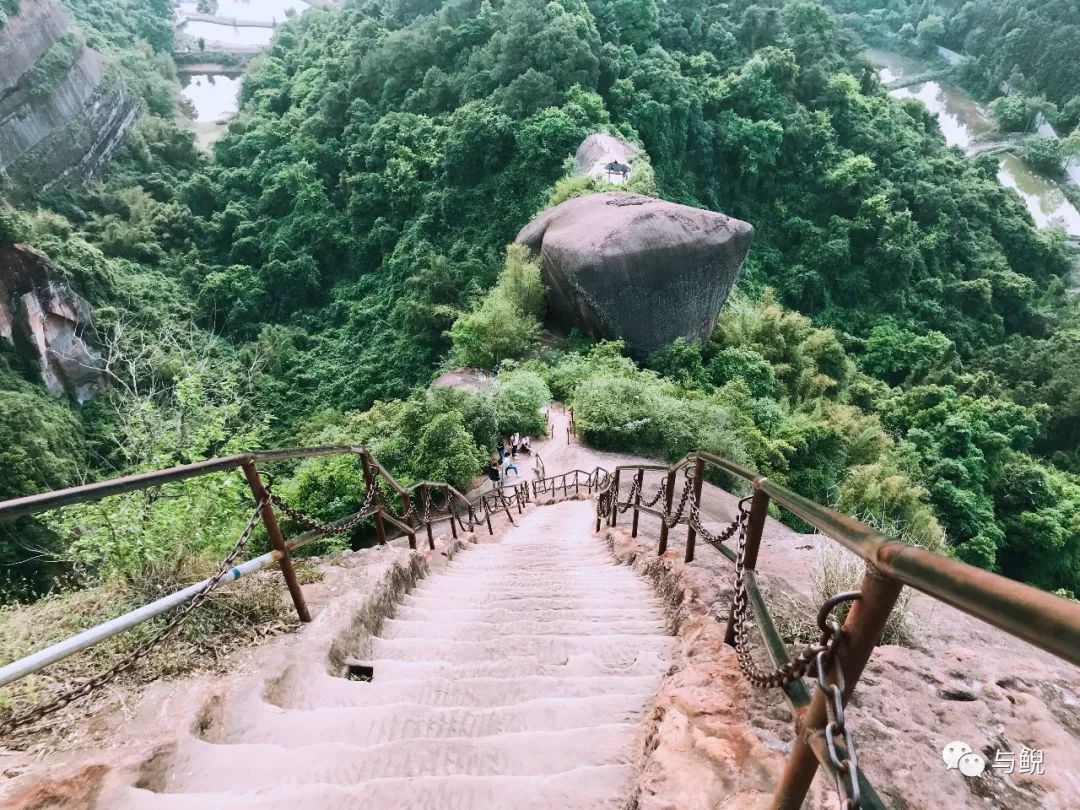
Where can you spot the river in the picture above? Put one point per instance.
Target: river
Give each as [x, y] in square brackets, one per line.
[213, 96]
[963, 122]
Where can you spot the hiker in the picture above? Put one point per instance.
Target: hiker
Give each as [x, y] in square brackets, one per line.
[511, 466]
[515, 440]
[526, 445]
[493, 472]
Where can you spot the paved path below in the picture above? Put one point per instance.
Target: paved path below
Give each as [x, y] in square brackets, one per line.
[516, 677]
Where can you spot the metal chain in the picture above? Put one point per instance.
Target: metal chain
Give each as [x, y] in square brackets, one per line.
[128, 662]
[714, 540]
[320, 527]
[839, 742]
[784, 674]
[660, 493]
[821, 657]
[635, 490]
[673, 519]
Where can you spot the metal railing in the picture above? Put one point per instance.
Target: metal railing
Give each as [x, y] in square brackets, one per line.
[837, 661]
[420, 507]
[571, 478]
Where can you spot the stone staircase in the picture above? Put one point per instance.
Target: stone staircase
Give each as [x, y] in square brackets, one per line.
[516, 677]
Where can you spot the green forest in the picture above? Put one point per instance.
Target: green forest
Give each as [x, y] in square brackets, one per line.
[902, 343]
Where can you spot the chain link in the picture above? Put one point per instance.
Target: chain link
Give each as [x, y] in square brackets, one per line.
[129, 661]
[321, 528]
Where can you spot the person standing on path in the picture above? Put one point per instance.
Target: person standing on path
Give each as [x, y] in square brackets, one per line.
[515, 440]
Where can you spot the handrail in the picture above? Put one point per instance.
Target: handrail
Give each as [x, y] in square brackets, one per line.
[479, 508]
[1040, 618]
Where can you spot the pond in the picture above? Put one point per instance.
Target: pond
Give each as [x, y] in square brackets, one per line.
[213, 95]
[963, 122]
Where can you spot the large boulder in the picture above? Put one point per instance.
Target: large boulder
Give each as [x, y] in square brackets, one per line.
[623, 266]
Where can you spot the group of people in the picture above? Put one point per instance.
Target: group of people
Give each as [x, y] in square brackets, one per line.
[502, 459]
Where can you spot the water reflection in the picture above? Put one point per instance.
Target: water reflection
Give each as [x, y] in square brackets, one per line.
[227, 34]
[1048, 206]
[213, 95]
[961, 120]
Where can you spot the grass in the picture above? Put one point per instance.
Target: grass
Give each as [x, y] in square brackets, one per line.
[237, 615]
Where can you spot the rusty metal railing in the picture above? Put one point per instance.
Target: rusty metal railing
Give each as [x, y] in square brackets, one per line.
[571, 478]
[1040, 618]
[420, 507]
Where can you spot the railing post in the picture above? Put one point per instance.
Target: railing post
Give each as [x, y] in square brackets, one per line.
[453, 514]
[862, 632]
[755, 523]
[615, 497]
[425, 499]
[517, 497]
[372, 483]
[691, 532]
[406, 506]
[577, 483]
[273, 531]
[637, 499]
[667, 511]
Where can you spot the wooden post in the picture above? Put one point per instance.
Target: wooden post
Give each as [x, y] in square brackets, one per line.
[425, 500]
[862, 632]
[637, 499]
[755, 522]
[406, 506]
[373, 483]
[691, 532]
[667, 511]
[615, 499]
[273, 531]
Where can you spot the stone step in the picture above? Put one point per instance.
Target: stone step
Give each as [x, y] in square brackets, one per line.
[586, 788]
[209, 768]
[550, 613]
[497, 599]
[612, 650]
[376, 725]
[327, 691]
[488, 631]
[582, 666]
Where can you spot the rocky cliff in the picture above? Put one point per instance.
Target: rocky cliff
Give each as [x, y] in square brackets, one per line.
[44, 319]
[60, 114]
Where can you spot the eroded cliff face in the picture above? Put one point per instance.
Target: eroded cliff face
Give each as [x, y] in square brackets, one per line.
[44, 319]
[60, 115]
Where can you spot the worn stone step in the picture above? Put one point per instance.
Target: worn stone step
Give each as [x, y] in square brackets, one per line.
[210, 768]
[376, 725]
[456, 614]
[488, 631]
[327, 691]
[585, 788]
[612, 650]
[586, 665]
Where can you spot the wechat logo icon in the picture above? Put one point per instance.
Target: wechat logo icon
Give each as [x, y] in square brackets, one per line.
[958, 755]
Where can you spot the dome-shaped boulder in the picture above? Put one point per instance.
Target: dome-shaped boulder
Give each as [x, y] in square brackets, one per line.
[624, 266]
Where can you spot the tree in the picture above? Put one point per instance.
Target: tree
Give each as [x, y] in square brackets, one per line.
[1046, 155]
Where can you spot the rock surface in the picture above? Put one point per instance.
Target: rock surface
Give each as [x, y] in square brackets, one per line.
[66, 130]
[624, 266]
[600, 149]
[46, 321]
